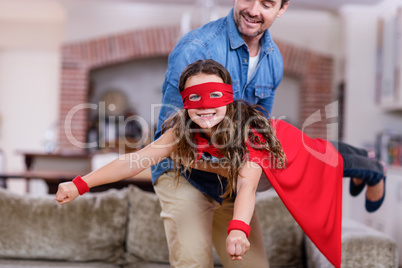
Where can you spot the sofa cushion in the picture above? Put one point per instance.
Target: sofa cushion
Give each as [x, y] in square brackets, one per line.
[362, 246]
[91, 228]
[144, 264]
[146, 238]
[9, 263]
[283, 237]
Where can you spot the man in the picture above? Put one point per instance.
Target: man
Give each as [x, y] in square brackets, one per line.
[195, 216]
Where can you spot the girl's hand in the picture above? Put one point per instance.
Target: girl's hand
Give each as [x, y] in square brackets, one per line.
[66, 192]
[237, 244]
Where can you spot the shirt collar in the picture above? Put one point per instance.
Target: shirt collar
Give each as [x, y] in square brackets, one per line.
[236, 40]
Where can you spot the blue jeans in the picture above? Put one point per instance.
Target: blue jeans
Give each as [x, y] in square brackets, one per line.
[356, 164]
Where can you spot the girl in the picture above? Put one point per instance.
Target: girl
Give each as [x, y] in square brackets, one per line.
[242, 143]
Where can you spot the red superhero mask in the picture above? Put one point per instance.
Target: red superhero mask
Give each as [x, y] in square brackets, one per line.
[205, 99]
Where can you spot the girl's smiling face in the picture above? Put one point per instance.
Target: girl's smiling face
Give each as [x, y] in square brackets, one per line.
[206, 119]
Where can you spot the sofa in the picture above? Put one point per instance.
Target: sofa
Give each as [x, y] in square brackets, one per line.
[122, 228]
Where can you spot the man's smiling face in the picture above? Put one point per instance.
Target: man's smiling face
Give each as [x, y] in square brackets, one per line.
[254, 17]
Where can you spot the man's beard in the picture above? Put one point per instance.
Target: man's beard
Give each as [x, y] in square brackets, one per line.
[238, 23]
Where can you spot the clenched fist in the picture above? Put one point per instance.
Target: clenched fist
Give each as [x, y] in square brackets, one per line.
[66, 192]
[237, 244]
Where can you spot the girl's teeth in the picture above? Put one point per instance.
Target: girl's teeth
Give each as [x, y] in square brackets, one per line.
[203, 115]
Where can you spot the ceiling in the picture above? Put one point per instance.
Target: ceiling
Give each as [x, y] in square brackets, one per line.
[329, 5]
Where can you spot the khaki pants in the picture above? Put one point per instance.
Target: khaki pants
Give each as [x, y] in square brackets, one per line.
[194, 222]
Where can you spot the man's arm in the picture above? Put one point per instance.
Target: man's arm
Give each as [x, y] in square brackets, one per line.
[268, 102]
[237, 243]
[276, 60]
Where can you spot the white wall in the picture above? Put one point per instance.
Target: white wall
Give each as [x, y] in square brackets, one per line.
[319, 31]
[92, 19]
[32, 25]
[360, 28]
[29, 75]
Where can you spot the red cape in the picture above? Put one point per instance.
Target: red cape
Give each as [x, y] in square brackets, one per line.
[310, 186]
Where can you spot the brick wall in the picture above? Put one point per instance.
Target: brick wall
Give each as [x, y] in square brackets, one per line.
[314, 71]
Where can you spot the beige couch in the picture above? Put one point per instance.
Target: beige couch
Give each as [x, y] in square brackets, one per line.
[122, 228]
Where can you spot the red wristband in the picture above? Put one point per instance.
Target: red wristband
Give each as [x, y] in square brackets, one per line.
[82, 186]
[239, 225]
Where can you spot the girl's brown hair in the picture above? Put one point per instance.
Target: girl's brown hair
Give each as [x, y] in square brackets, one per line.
[232, 133]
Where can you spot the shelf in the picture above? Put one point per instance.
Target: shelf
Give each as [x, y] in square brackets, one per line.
[392, 107]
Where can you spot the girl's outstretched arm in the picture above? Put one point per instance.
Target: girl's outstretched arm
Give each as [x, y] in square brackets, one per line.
[237, 243]
[127, 165]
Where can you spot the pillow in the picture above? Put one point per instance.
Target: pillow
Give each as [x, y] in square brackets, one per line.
[283, 237]
[91, 228]
[362, 246]
[146, 239]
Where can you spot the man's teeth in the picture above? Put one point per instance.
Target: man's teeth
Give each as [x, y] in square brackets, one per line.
[249, 20]
[205, 115]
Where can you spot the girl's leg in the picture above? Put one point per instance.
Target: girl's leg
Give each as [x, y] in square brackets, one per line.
[356, 166]
[356, 184]
[345, 148]
[187, 216]
[370, 172]
[192, 221]
[256, 257]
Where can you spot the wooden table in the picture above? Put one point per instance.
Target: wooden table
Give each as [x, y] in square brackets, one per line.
[59, 161]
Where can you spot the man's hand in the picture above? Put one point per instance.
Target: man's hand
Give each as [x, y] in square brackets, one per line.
[237, 244]
[66, 192]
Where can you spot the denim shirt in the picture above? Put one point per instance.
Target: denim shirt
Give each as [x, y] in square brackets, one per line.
[221, 41]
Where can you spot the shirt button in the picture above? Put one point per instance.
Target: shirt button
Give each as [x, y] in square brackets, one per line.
[262, 95]
[245, 60]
